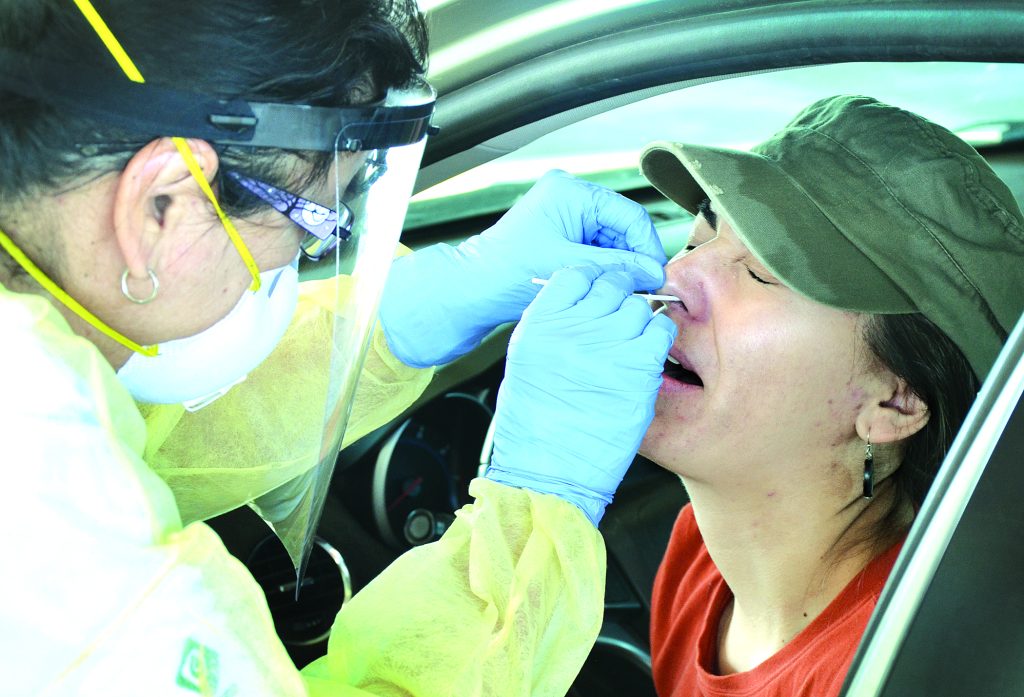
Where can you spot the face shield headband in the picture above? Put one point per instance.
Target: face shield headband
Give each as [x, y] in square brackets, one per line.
[143, 108]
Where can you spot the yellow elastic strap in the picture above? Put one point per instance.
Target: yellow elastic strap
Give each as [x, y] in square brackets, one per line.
[229, 227]
[133, 74]
[41, 278]
[109, 40]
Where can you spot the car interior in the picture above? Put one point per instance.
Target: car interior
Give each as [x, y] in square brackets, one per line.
[542, 84]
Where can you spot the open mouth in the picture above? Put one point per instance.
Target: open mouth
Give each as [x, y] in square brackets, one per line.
[677, 372]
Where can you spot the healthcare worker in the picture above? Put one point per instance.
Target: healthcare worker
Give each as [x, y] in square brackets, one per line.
[167, 166]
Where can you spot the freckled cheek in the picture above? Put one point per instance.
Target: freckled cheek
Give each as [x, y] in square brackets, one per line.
[670, 435]
[840, 414]
[798, 406]
[667, 424]
[849, 404]
[841, 478]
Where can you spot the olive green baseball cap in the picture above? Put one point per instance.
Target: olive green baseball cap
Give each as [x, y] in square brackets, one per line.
[866, 207]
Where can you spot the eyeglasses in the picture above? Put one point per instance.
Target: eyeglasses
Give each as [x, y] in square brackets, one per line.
[325, 227]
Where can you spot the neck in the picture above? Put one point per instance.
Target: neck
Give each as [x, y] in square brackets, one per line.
[85, 240]
[784, 558]
[115, 354]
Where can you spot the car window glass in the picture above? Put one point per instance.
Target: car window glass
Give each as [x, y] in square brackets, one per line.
[982, 102]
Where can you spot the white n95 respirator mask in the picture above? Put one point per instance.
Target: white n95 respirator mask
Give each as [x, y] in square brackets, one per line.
[198, 369]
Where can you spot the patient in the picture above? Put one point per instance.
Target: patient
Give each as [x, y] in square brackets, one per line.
[846, 287]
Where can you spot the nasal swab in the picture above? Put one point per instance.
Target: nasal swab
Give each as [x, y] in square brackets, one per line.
[645, 296]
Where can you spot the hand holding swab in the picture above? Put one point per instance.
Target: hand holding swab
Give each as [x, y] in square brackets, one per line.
[645, 296]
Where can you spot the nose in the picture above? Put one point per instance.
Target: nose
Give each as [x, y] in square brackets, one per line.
[685, 280]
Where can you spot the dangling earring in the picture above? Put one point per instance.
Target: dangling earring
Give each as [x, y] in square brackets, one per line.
[128, 294]
[869, 472]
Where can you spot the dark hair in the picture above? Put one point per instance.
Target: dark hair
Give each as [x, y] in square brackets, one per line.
[318, 52]
[917, 351]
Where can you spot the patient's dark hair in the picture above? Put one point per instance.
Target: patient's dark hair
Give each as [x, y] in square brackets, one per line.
[917, 351]
[319, 52]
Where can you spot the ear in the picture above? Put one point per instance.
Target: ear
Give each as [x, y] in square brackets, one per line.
[895, 418]
[151, 200]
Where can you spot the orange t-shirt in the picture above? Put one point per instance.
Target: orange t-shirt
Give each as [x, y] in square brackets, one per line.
[689, 598]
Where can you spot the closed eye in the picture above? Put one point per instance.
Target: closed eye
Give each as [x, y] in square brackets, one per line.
[758, 278]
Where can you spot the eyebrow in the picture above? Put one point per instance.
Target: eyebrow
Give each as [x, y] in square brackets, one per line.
[704, 208]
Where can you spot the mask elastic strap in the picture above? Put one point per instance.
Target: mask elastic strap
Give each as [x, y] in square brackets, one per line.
[42, 279]
[133, 74]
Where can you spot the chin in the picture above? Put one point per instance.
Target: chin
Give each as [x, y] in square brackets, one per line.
[655, 454]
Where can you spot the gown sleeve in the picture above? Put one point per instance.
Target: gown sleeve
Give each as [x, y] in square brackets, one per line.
[507, 603]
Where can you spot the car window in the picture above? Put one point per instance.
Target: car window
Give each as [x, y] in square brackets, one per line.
[982, 102]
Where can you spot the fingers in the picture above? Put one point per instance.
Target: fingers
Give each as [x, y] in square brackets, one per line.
[598, 302]
[647, 273]
[607, 294]
[579, 295]
[648, 336]
[566, 288]
[624, 224]
[600, 226]
[659, 334]
[608, 219]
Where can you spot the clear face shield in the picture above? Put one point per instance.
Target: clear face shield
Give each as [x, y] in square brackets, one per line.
[269, 437]
[348, 249]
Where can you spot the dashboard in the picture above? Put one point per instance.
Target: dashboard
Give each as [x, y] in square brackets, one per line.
[421, 472]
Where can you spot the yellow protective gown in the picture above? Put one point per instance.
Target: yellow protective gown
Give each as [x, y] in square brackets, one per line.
[266, 431]
[106, 592]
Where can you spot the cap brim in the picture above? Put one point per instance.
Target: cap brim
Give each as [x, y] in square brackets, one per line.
[778, 221]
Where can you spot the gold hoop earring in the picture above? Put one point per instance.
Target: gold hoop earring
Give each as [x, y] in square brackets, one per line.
[869, 471]
[128, 294]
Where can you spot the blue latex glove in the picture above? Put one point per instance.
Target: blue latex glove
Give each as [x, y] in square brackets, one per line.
[584, 367]
[441, 301]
